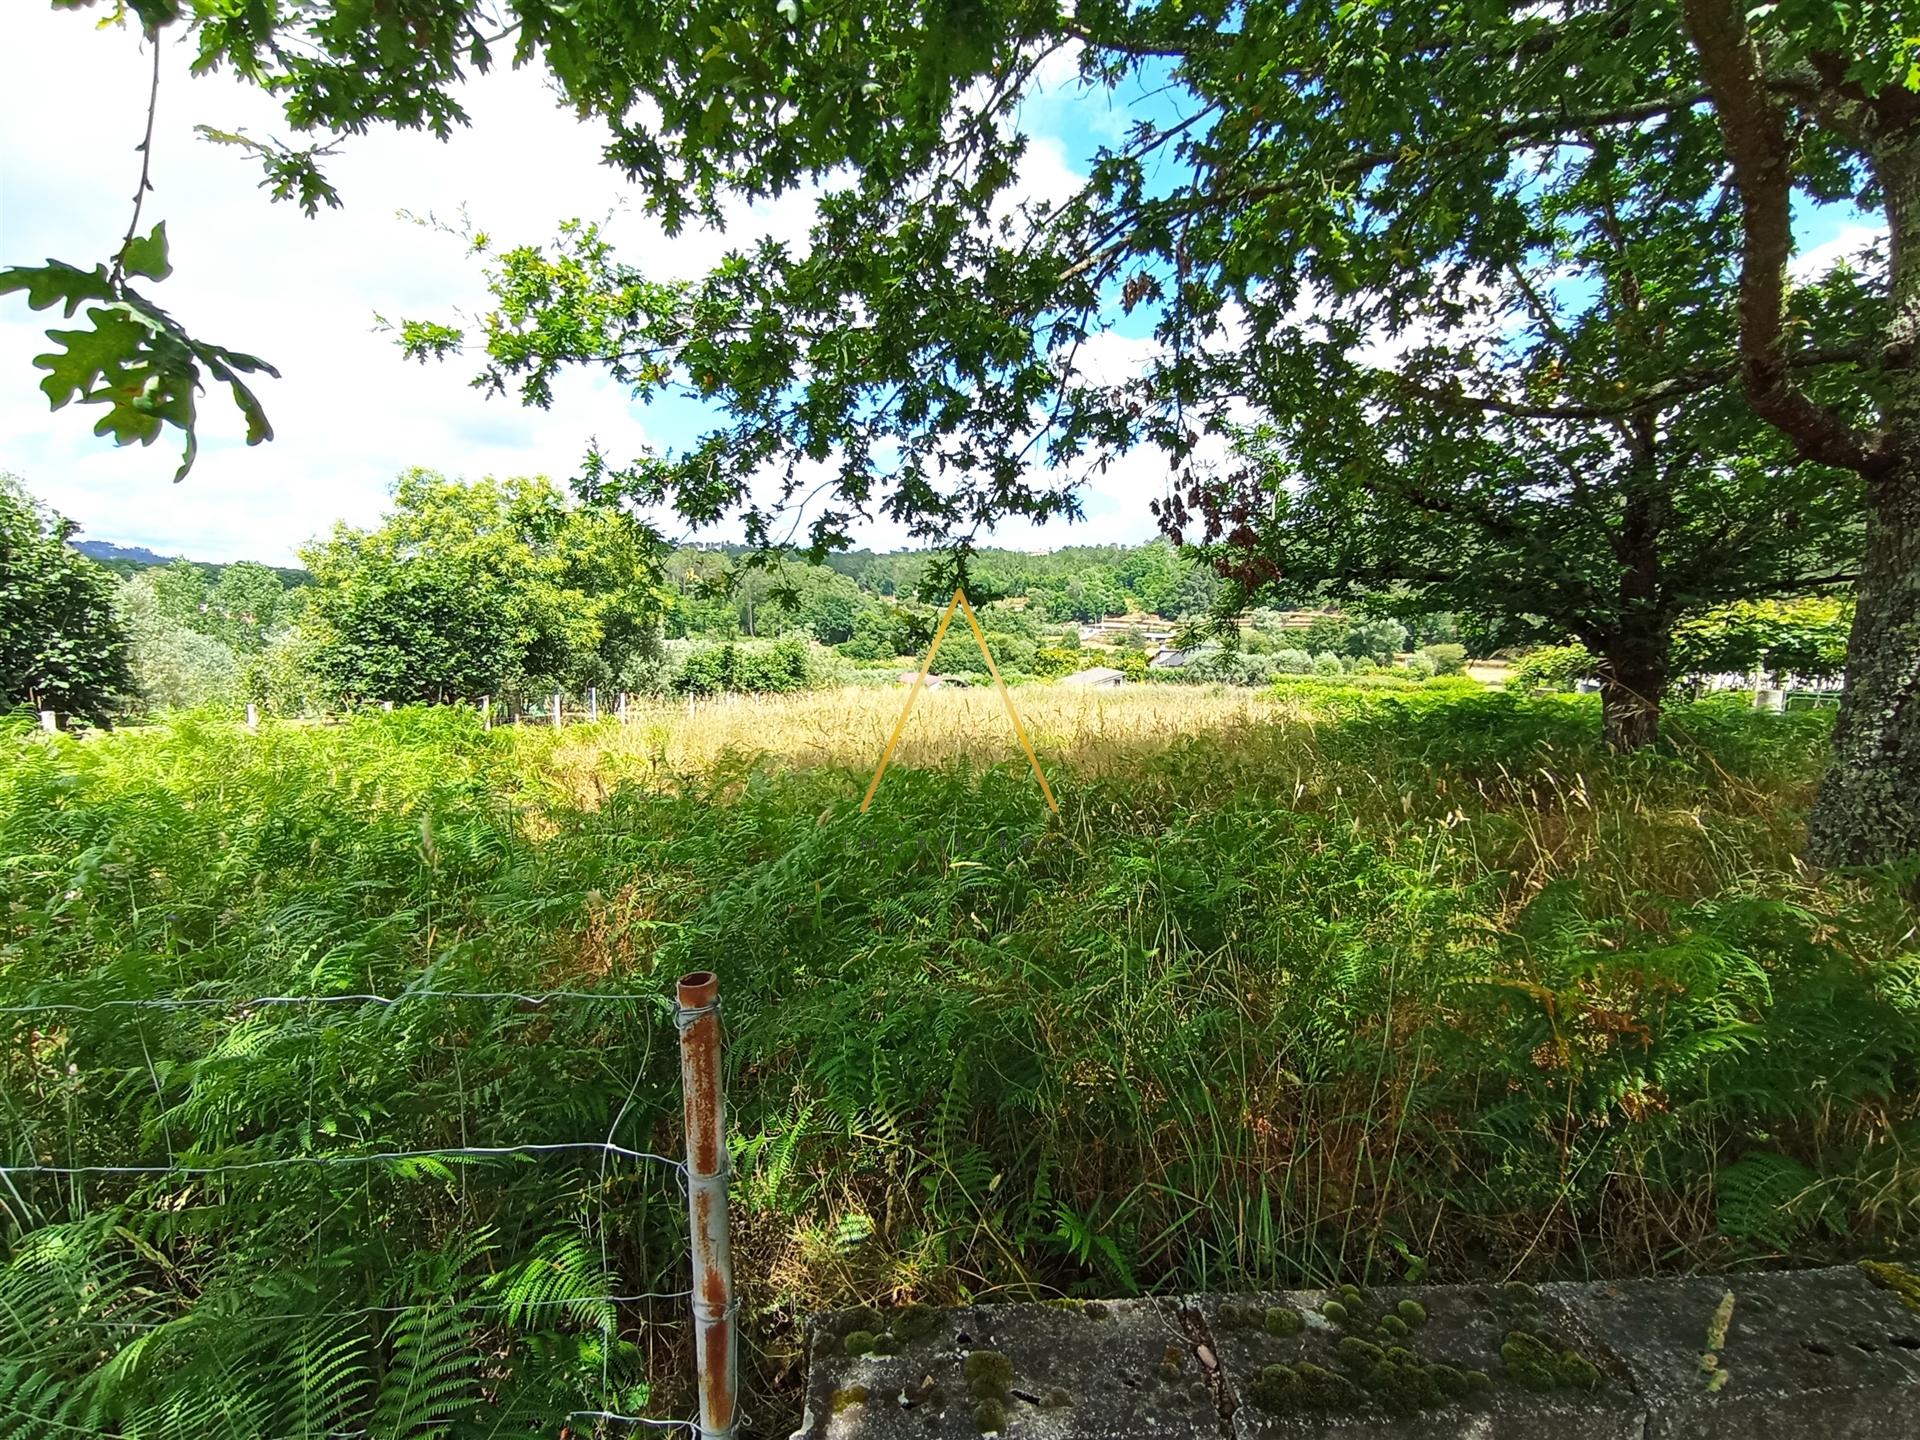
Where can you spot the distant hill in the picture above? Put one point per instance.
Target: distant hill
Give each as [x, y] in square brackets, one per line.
[128, 559]
[104, 550]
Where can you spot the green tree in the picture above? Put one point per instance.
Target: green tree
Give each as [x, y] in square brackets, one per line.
[180, 593]
[62, 644]
[491, 587]
[174, 666]
[244, 606]
[1545, 453]
[1326, 632]
[1377, 638]
[1194, 595]
[1805, 637]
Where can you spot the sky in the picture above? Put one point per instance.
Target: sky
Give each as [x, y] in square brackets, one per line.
[349, 413]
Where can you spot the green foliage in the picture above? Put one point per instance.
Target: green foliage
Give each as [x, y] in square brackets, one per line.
[1375, 638]
[1769, 1200]
[480, 589]
[133, 358]
[1447, 658]
[63, 646]
[1806, 637]
[1551, 667]
[377, 856]
[286, 677]
[746, 669]
[174, 666]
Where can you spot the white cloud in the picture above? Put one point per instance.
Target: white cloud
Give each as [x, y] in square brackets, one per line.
[348, 412]
[1845, 244]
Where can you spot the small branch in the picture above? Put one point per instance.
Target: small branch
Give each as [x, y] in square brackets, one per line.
[1147, 49]
[1676, 387]
[146, 160]
[1755, 133]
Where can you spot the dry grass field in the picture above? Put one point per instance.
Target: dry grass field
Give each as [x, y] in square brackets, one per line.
[1096, 733]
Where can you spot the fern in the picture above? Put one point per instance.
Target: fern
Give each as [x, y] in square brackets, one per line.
[563, 1276]
[1767, 1199]
[328, 1366]
[430, 1379]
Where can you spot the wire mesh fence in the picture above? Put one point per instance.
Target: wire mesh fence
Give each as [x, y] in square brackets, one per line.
[356, 1213]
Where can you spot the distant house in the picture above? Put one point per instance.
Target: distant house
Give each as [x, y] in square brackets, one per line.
[1100, 677]
[934, 682]
[1171, 659]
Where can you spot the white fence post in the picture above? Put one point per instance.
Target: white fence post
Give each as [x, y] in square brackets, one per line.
[486, 712]
[623, 707]
[556, 710]
[253, 716]
[49, 722]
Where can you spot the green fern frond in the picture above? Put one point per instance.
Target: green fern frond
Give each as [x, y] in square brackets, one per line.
[430, 1380]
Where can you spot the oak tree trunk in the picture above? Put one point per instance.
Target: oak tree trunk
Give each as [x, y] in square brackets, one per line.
[1868, 810]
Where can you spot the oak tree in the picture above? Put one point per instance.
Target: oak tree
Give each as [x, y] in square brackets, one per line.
[62, 644]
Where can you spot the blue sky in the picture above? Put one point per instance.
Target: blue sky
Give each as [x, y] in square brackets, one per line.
[348, 412]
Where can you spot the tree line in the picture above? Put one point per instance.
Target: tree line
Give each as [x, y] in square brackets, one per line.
[513, 588]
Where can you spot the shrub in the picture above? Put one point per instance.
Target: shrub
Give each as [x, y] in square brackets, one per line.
[1292, 662]
[1375, 639]
[1447, 659]
[1326, 663]
[747, 668]
[1053, 661]
[1420, 666]
[1552, 667]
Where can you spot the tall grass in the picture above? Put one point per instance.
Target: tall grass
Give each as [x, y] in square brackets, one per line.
[1318, 984]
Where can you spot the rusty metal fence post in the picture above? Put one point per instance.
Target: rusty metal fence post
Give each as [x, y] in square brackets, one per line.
[705, 1097]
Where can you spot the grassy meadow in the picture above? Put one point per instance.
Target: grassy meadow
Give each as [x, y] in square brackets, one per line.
[1324, 982]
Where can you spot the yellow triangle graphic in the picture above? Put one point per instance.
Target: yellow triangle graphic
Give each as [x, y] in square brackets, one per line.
[959, 602]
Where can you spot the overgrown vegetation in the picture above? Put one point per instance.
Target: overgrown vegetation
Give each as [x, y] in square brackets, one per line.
[1335, 984]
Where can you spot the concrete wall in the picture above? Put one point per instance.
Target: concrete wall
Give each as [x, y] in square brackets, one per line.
[1832, 1354]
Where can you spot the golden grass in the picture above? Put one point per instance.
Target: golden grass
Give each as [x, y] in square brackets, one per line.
[1095, 732]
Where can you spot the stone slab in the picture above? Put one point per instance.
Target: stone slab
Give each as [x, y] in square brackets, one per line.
[1808, 1355]
[1823, 1353]
[1094, 1371]
[1463, 1330]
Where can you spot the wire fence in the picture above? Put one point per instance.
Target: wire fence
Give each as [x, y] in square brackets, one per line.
[555, 710]
[702, 1175]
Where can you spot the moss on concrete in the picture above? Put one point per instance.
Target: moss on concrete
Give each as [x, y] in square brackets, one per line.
[913, 1322]
[1282, 1321]
[1536, 1363]
[990, 1417]
[1904, 1284]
